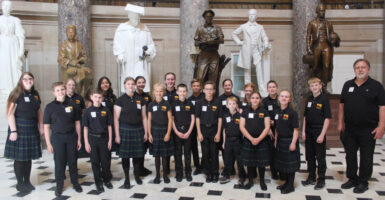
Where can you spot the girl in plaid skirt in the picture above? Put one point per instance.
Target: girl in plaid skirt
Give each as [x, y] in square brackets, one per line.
[159, 126]
[25, 124]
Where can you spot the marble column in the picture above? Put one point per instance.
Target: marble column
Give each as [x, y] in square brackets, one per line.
[190, 19]
[303, 12]
[76, 12]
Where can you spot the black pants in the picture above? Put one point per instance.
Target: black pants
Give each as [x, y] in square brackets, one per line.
[194, 148]
[65, 152]
[315, 152]
[210, 150]
[100, 159]
[361, 139]
[232, 153]
[185, 146]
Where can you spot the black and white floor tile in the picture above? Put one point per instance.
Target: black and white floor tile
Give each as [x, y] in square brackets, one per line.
[43, 179]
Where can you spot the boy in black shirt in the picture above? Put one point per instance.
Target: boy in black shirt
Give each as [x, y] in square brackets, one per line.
[98, 140]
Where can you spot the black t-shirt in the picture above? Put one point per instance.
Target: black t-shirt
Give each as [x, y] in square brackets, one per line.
[231, 124]
[182, 112]
[244, 104]
[61, 116]
[285, 122]
[170, 97]
[28, 104]
[208, 112]
[97, 120]
[145, 96]
[158, 112]
[316, 110]
[131, 109]
[361, 104]
[255, 120]
[78, 101]
[108, 102]
[194, 100]
[270, 105]
[222, 98]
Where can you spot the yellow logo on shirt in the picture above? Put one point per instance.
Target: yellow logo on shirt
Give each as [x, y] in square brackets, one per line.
[146, 98]
[164, 108]
[103, 113]
[36, 97]
[261, 115]
[187, 108]
[112, 100]
[237, 120]
[138, 102]
[214, 108]
[285, 116]
[176, 97]
[319, 106]
[77, 101]
[70, 107]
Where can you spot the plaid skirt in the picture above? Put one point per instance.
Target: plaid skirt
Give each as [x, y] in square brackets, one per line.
[160, 148]
[255, 156]
[27, 146]
[287, 161]
[131, 141]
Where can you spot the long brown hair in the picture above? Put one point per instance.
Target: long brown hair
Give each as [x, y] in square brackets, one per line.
[18, 90]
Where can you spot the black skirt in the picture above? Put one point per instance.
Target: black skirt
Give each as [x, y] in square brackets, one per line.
[287, 161]
[255, 156]
[160, 148]
[131, 141]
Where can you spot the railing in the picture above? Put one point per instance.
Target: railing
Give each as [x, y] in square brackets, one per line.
[245, 4]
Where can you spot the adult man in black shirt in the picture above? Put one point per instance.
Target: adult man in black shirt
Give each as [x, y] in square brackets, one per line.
[361, 120]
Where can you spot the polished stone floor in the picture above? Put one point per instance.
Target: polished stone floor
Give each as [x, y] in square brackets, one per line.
[43, 179]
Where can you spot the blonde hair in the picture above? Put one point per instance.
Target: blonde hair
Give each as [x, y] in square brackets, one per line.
[314, 80]
[157, 85]
[232, 98]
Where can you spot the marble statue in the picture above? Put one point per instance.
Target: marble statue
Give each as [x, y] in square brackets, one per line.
[254, 46]
[208, 37]
[72, 60]
[134, 48]
[11, 49]
[320, 42]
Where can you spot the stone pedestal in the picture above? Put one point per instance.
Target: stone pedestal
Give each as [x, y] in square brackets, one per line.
[190, 19]
[303, 12]
[75, 12]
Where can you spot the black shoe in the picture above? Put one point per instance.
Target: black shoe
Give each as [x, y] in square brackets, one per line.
[215, 179]
[197, 171]
[308, 181]
[138, 180]
[127, 184]
[349, 184]
[281, 187]
[146, 171]
[99, 188]
[241, 181]
[29, 186]
[209, 178]
[360, 188]
[287, 190]
[78, 188]
[22, 188]
[166, 179]
[188, 177]
[156, 180]
[263, 186]
[178, 178]
[249, 185]
[320, 184]
[108, 185]
[58, 191]
[224, 179]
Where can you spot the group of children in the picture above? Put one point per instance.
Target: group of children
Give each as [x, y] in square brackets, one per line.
[256, 133]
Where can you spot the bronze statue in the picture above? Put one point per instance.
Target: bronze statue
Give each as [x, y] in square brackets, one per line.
[72, 60]
[208, 37]
[320, 41]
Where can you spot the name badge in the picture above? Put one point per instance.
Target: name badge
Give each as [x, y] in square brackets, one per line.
[204, 108]
[177, 108]
[165, 98]
[228, 119]
[154, 108]
[276, 117]
[193, 102]
[26, 99]
[244, 104]
[68, 109]
[104, 104]
[93, 114]
[270, 107]
[139, 106]
[308, 104]
[223, 102]
[351, 89]
[251, 115]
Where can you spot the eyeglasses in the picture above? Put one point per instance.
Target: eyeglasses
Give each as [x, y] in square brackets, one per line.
[27, 79]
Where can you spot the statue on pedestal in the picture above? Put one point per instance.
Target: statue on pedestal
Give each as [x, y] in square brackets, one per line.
[134, 47]
[72, 60]
[11, 48]
[253, 47]
[208, 37]
[320, 42]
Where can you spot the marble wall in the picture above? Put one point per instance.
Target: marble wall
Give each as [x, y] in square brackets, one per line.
[361, 32]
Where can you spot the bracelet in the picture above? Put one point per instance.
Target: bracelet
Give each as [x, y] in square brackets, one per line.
[13, 131]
